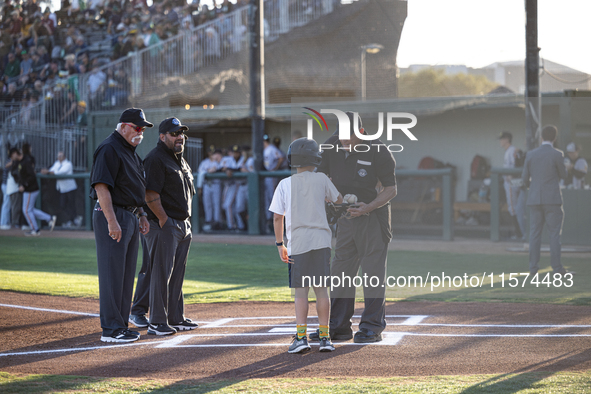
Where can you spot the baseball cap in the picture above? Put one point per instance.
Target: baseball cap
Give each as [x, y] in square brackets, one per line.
[82, 103]
[266, 138]
[170, 125]
[135, 116]
[236, 148]
[506, 134]
[571, 148]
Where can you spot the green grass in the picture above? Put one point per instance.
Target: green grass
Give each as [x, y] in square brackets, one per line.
[224, 273]
[525, 383]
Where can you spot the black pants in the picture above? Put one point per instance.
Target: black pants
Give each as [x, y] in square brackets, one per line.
[116, 267]
[359, 244]
[68, 205]
[141, 298]
[169, 249]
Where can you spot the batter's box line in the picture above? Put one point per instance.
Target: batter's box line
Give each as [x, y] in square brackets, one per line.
[411, 320]
[389, 339]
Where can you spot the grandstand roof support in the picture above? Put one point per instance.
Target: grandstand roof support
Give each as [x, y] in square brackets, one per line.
[533, 115]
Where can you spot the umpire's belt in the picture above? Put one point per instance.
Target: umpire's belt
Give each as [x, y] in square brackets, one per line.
[128, 208]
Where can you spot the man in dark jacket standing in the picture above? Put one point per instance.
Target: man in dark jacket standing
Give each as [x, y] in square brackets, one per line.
[30, 188]
[542, 171]
[117, 180]
[169, 195]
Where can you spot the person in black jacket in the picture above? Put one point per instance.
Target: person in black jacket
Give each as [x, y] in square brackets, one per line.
[30, 188]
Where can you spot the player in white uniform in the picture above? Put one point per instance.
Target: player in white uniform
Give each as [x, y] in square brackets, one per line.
[212, 189]
[576, 167]
[272, 160]
[242, 196]
[232, 162]
[513, 186]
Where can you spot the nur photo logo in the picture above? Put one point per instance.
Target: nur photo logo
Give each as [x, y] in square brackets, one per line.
[344, 128]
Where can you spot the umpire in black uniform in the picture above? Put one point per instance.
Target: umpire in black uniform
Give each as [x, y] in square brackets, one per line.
[169, 195]
[362, 239]
[118, 182]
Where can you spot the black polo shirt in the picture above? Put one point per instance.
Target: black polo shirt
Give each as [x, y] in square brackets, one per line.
[116, 164]
[358, 172]
[169, 175]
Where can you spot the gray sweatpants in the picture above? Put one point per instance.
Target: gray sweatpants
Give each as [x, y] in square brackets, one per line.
[359, 244]
[169, 249]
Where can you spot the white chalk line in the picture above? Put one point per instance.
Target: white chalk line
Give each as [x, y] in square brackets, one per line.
[51, 310]
[391, 338]
[63, 311]
[412, 320]
[77, 349]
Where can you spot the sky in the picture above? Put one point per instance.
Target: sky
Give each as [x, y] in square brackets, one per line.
[480, 32]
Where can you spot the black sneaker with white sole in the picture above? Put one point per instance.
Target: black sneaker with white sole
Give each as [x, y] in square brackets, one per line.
[121, 336]
[160, 329]
[139, 321]
[132, 332]
[185, 325]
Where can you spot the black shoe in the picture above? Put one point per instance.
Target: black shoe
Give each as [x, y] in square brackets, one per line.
[366, 336]
[139, 321]
[121, 336]
[185, 325]
[564, 272]
[161, 329]
[315, 336]
[132, 332]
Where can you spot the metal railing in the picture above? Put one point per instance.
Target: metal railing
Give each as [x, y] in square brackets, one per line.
[46, 141]
[255, 215]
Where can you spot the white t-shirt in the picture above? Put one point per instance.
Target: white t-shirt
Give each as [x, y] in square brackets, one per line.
[64, 168]
[271, 156]
[301, 199]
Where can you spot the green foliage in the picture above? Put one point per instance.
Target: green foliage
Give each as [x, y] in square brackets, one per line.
[435, 83]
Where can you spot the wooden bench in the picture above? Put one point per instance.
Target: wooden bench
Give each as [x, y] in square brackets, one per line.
[474, 206]
[417, 207]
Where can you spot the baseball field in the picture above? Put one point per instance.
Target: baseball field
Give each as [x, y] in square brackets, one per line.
[461, 319]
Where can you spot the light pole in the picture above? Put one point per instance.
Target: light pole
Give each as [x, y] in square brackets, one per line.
[369, 48]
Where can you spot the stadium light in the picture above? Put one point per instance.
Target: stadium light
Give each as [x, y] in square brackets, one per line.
[372, 49]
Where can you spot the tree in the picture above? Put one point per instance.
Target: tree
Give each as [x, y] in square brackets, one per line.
[435, 83]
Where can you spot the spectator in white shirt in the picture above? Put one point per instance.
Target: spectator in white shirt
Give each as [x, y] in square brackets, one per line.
[67, 188]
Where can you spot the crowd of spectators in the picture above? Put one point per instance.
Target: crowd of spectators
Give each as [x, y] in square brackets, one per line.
[43, 53]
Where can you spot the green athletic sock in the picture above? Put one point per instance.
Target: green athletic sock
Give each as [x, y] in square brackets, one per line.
[323, 331]
[301, 330]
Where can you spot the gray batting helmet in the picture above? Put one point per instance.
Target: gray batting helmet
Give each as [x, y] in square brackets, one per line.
[303, 152]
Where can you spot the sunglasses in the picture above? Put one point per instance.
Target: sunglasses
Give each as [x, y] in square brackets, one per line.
[177, 133]
[137, 129]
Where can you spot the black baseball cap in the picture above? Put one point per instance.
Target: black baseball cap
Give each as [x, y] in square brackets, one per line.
[507, 135]
[170, 125]
[135, 116]
[236, 148]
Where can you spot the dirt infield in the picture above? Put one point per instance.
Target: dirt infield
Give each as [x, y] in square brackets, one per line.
[245, 340]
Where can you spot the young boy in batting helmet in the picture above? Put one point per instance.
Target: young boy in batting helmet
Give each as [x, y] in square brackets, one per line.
[300, 200]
